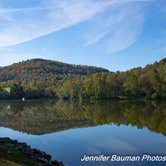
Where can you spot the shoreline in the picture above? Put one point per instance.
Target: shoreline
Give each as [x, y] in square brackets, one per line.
[14, 153]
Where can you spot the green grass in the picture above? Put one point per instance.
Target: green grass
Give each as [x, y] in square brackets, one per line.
[8, 163]
[9, 153]
[7, 89]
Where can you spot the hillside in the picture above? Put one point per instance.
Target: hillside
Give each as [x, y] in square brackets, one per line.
[148, 82]
[48, 79]
[37, 68]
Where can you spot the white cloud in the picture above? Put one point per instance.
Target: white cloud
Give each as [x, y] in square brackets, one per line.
[117, 28]
[18, 25]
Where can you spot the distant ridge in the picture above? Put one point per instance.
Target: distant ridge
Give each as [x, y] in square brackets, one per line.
[36, 68]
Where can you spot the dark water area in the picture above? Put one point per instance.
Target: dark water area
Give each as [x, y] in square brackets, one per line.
[70, 130]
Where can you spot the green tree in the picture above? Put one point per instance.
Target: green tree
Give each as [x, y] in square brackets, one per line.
[17, 91]
[131, 86]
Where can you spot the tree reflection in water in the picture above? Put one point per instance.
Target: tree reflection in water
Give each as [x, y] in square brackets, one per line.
[41, 117]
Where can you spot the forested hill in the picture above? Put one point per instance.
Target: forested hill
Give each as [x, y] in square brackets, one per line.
[36, 68]
[47, 79]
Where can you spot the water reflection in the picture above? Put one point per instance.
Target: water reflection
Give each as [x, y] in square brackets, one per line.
[96, 128]
[36, 117]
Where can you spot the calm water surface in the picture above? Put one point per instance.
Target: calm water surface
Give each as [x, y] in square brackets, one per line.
[67, 131]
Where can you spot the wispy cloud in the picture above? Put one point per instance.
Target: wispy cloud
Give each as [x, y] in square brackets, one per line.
[120, 22]
[117, 28]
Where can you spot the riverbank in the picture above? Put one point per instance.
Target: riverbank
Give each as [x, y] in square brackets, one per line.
[13, 153]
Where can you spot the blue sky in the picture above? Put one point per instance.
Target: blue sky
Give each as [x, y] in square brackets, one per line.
[115, 34]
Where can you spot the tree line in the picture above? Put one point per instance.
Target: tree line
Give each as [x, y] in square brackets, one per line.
[148, 82]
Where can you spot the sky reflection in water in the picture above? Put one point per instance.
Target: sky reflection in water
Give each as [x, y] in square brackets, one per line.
[99, 138]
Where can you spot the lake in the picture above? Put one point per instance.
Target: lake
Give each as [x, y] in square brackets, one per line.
[70, 130]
